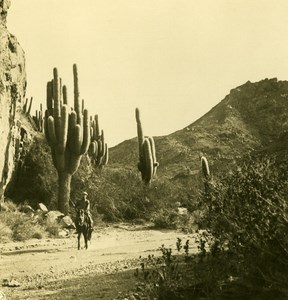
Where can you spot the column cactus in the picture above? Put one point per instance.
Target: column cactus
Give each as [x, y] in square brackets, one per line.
[205, 172]
[26, 108]
[98, 149]
[205, 167]
[147, 164]
[67, 132]
[38, 119]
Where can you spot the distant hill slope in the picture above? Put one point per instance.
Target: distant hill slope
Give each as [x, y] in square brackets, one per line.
[253, 117]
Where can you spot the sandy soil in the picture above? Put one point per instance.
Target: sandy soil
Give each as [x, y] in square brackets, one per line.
[36, 264]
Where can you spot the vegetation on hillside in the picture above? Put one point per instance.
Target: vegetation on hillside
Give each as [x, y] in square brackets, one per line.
[243, 250]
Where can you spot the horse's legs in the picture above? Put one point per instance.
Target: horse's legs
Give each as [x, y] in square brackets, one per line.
[79, 235]
[86, 238]
[89, 234]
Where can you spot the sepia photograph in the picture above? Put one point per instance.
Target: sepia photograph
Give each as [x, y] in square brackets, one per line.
[144, 150]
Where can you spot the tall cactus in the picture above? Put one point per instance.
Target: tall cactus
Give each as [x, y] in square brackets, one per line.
[67, 132]
[98, 149]
[147, 164]
[205, 167]
[205, 172]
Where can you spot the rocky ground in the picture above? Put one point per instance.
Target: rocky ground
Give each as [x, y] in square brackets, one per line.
[55, 269]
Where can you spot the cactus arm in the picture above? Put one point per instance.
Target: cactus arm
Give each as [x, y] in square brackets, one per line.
[77, 139]
[76, 91]
[56, 94]
[64, 93]
[153, 153]
[148, 171]
[25, 105]
[51, 132]
[106, 157]
[205, 167]
[30, 106]
[64, 129]
[97, 131]
[49, 98]
[139, 131]
[86, 133]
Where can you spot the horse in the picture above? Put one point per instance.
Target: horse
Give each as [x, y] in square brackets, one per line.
[83, 227]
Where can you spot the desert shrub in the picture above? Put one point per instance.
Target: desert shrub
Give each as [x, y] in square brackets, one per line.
[5, 232]
[163, 276]
[8, 205]
[21, 226]
[246, 213]
[176, 276]
[52, 228]
[119, 194]
[243, 251]
[169, 218]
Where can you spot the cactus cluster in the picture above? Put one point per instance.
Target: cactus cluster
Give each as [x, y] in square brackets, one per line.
[26, 107]
[147, 164]
[67, 131]
[38, 119]
[98, 149]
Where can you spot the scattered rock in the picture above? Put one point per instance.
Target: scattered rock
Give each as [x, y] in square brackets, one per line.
[54, 216]
[10, 283]
[67, 222]
[43, 207]
[2, 296]
[63, 233]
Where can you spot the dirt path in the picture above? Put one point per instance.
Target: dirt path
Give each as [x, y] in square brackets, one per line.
[39, 264]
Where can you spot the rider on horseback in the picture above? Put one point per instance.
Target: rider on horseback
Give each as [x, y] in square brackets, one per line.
[84, 204]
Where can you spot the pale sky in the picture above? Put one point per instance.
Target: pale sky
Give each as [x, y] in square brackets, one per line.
[174, 59]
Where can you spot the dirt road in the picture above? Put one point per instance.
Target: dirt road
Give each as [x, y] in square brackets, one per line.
[40, 265]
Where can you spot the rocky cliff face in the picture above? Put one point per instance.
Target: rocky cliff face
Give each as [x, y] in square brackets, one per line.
[12, 92]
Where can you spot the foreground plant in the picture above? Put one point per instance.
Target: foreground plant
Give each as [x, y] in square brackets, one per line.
[247, 215]
[67, 132]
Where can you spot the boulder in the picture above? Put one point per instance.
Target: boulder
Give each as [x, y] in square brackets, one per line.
[67, 222]
[63, 233]
[54, 216]
[42, 207]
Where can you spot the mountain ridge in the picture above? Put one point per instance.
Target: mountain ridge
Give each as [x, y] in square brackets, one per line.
[252, 117]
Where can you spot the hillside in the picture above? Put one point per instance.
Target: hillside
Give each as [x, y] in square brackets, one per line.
[253, 117]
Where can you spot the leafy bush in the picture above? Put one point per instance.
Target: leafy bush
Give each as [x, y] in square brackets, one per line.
[247, 215]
